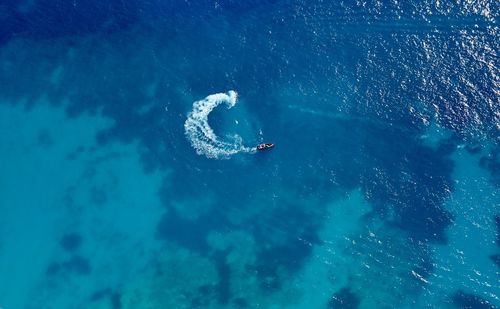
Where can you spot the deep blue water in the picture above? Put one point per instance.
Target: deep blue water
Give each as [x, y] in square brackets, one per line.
[382, 190]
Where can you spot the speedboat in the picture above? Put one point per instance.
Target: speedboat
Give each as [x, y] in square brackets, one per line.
[265, 146]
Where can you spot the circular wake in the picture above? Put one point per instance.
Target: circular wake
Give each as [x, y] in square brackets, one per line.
[200, 134]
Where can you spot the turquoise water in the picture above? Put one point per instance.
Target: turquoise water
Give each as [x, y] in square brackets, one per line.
[129, 176]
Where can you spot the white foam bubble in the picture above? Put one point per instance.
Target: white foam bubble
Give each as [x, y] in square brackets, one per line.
[203, 138]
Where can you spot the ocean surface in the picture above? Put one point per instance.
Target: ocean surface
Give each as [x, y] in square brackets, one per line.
[129, 176]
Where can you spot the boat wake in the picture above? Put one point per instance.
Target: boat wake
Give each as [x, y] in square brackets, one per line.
[203, 138]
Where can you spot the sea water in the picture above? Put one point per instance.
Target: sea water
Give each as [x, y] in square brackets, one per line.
[129, 176]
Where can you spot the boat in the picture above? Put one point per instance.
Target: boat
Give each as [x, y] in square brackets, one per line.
[265, 146]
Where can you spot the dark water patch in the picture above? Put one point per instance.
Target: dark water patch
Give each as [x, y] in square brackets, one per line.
[497, 223]
[398, 174]
[224, 284]
[186, 233]
[206, 294]
[385, 255]
[76, 265]
[44, 138]
[240, 302]
[98, 195]
[113, 297]
[8, 19]
[473, 149]
[344, 299]
[449, 145]
[287, 238]
[116, 302]
[197, 302]
[206, 290]
[163, 143]
[491, 162]
[100, 294]
[496, 259]
[244, 7]
[51, 19]
[74, 154]
[53, 269]
[465, 300]
[414, 179]
[71, 242]
[190, 234]
[290, 256]
[423, 266]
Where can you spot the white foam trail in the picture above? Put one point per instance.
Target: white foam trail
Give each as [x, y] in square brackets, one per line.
[203, 138]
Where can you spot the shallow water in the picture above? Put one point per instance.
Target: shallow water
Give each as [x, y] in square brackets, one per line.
[381, 191]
